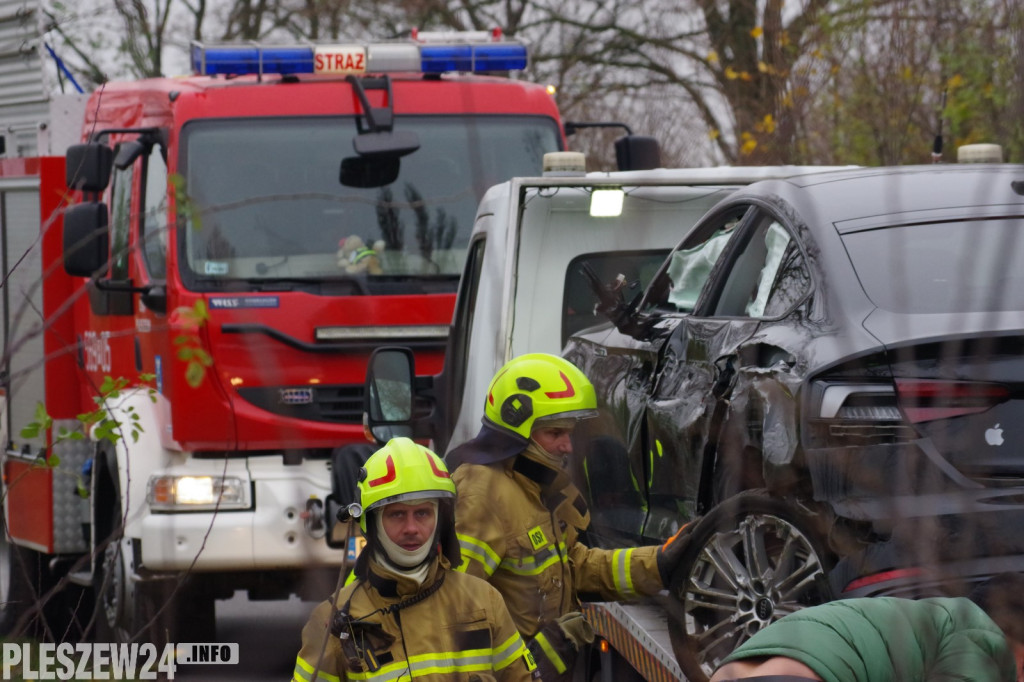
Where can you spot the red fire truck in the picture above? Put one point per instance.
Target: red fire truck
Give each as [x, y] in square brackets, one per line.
[218, 257]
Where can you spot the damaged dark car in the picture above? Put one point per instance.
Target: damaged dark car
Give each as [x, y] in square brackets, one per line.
[829, 372]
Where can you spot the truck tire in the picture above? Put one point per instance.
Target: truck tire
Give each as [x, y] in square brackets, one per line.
[751, 560]
[25, 576]
[21, 573]
[156, 611]
[121, 613]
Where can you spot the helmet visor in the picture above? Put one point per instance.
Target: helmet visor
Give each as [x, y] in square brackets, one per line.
[411, 498]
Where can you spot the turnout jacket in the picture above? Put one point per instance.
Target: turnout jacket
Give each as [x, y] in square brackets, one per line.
[888, 639]
[462, 632]
[523, 537]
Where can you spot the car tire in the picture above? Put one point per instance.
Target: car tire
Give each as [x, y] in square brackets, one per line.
[751, 560]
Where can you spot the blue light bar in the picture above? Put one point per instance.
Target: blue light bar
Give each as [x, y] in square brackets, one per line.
[424, 57]
[245, 59]
[473, 58]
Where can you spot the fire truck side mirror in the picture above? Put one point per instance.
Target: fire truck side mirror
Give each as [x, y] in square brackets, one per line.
[86, 244]
[88, 166]
[637, 152]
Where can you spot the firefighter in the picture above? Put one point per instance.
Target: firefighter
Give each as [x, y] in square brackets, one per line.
[518, 515]
[406, 613]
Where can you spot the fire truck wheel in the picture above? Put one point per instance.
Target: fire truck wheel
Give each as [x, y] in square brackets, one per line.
[25, 577]
[751, 560]
[20, 570]
[128, 609]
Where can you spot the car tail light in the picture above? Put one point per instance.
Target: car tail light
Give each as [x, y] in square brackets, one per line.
[885, 576]
[859, 402]
[856, 413]
[925, 399]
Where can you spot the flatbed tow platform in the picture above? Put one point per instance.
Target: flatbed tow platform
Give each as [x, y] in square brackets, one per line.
[639, 633]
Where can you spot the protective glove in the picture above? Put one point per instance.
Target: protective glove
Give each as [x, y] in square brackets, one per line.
[556, 647]
[576, 629]
[671, 553]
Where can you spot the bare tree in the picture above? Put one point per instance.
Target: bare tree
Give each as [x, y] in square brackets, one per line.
[735, 81]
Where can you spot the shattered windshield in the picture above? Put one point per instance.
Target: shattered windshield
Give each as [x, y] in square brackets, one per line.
[265, 206]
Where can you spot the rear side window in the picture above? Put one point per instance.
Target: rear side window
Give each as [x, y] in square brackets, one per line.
[579, 301]
[949, 267]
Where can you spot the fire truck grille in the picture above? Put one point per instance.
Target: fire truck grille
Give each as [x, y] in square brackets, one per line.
[338, 404]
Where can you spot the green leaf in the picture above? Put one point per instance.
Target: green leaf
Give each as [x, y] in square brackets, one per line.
[91, 417]
[194, 374]
[201, 311]
[107, 430]
[203, 357]
[42, 417]
[30, 430]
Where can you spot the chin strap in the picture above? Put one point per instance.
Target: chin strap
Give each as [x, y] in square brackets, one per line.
[359, 638]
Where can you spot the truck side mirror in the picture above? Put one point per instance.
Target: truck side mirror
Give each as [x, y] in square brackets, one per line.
[88, 166]
[389, 394]
[86, 244]
[637, 152]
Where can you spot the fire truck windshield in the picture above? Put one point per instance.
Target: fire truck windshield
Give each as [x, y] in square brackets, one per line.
[264, 207]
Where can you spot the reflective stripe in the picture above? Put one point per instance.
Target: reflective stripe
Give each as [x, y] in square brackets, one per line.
[478, 550]
[550, 652]
[304, 672]
[508, 653]
[536, 564]
[448, 662]
[362, 253]
[622, 573]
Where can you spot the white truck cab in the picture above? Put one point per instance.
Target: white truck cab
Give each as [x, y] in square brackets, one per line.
[524, 290]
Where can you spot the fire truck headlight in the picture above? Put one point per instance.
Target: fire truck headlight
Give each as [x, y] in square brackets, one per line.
[197, 493]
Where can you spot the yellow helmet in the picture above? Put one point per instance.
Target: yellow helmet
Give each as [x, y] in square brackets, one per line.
[401, 470]
[538, 386]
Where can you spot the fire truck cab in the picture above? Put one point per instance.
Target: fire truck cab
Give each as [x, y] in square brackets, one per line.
[218, 257]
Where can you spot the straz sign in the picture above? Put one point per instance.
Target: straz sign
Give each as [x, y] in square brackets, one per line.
[339, 59]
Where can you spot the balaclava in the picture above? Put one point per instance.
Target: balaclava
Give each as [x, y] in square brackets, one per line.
[397, 558]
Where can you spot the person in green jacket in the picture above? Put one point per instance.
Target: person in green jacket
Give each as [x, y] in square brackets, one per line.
[889, 639]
